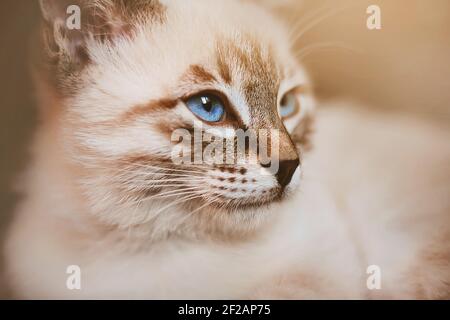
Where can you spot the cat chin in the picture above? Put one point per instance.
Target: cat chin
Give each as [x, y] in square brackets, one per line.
[250, 204]
[236, 222]
[242, 218]
[194, 219]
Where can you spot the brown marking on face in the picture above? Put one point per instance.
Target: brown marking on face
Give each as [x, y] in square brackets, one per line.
[260, 89]
[198, 74]
[227, 169]
[153, 106]
[222, 64]
[260, 77]
[260, 83]
[232, 179]
[243, 171]
[168, 127]
[131, 160]
[231, 170]
[287, 148]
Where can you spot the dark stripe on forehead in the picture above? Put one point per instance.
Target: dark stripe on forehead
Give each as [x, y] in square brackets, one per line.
[223, 63]
[153, 106]
[198, 74]
[167, 128]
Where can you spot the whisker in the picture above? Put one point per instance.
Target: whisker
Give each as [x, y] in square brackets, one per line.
[172, 175]
[172, 204]
[204, 205]
[325, 45]
[133, 223]
[172, 193]
[162, 181]
[319, 20]
[187, 196]
[152, 176]
[141, 165]
[304, 19]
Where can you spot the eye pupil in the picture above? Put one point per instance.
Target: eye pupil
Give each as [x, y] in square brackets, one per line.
[207, 107]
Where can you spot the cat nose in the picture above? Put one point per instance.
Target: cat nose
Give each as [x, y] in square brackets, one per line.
[286, 171]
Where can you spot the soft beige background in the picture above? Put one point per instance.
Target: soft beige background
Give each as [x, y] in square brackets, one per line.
[404, 67]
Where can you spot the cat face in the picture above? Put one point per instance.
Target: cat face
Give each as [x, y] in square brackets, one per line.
[140, 71]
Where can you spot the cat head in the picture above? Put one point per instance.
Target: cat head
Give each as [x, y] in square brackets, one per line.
[129, 76]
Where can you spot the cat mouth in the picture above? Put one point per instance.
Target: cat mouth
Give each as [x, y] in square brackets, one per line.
[228, 203]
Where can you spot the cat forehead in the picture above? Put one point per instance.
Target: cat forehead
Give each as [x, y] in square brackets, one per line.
[199, 31]
[183, 54]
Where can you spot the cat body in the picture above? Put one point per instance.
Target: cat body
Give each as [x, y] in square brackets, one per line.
[102, 192]
[319, 244]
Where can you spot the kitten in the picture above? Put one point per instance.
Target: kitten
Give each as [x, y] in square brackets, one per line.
[104, 193]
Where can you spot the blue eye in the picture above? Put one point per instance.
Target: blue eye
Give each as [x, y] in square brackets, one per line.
[207, 107]
[289, 105]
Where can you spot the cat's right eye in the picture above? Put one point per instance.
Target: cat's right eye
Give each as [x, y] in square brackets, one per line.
[206, 106]
[289, 105]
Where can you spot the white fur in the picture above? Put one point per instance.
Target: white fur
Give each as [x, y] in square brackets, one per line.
[373, 191]
[345, 218]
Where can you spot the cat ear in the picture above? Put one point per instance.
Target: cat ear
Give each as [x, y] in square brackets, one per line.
[60, 39]
[70, 24]
[53, 10]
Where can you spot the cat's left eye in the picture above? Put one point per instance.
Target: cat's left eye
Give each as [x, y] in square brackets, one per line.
[289, 105]
[208, 107]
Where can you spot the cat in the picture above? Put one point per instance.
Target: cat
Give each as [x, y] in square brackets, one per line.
[103, 193]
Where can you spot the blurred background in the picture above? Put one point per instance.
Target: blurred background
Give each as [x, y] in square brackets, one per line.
[404, 67]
